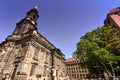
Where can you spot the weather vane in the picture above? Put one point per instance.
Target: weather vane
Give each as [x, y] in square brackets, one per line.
[36, 6]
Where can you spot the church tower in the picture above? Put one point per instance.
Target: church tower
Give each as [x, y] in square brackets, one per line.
[27, 24]
[27, 55]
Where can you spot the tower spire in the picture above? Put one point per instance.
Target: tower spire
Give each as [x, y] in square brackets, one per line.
[36, 4]
[29, 23]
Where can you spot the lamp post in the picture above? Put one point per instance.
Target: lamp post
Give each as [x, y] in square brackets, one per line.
[6, 75]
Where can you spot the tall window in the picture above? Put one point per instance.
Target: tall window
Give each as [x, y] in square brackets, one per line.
[19, 67]
[35, 57]
[32, 70]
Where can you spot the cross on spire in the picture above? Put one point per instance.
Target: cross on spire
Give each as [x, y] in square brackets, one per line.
[36, 5]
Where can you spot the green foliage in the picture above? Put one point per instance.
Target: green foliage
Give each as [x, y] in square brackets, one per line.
[100, 47]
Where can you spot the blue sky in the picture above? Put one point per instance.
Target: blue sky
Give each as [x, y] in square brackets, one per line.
[62, 22]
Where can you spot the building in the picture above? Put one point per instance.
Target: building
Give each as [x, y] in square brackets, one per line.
[113, 18]
[74, 70]
[27, 55]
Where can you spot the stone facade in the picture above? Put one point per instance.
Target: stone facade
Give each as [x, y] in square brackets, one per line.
[27, 55]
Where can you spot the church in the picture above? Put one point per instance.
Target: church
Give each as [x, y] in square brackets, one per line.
[27, 55]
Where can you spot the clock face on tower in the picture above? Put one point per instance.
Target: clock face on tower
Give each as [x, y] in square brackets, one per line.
[33, 22]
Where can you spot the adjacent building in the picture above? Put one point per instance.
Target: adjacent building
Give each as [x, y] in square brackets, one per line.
[27, 55]
[74, 70]
[113, 18]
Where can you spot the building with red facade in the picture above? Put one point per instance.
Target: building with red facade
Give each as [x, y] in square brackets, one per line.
[113, 18]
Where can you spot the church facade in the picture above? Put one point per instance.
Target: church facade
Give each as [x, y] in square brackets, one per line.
[27, 55]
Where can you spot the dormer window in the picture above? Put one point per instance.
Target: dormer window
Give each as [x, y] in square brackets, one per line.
[34, 17]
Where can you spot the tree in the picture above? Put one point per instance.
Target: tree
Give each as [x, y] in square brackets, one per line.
[100, 51]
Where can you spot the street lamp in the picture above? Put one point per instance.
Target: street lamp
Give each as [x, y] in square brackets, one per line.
[5, 74]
